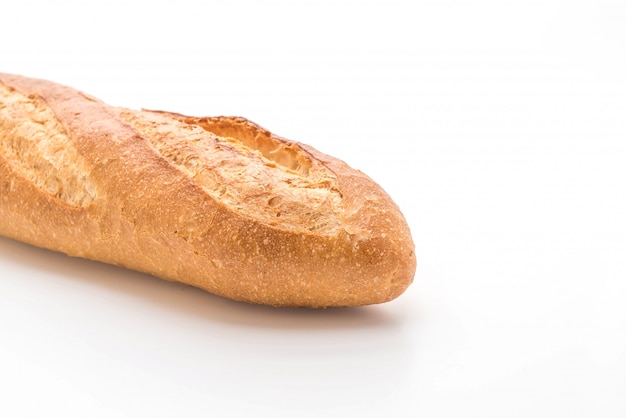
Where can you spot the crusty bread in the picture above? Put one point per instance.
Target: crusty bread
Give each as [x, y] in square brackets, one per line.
[216, 202]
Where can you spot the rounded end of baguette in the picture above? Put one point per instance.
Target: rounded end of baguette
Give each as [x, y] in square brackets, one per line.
[380, 252]
[369, 260]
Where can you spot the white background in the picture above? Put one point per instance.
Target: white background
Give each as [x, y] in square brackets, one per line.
[498, 127]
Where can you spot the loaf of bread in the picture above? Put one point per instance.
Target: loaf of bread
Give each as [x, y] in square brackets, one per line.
[214, 202]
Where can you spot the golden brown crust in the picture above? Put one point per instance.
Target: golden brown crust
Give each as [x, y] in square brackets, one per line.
[277, 222]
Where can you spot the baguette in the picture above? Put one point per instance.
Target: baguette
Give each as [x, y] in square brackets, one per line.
[214, 202]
